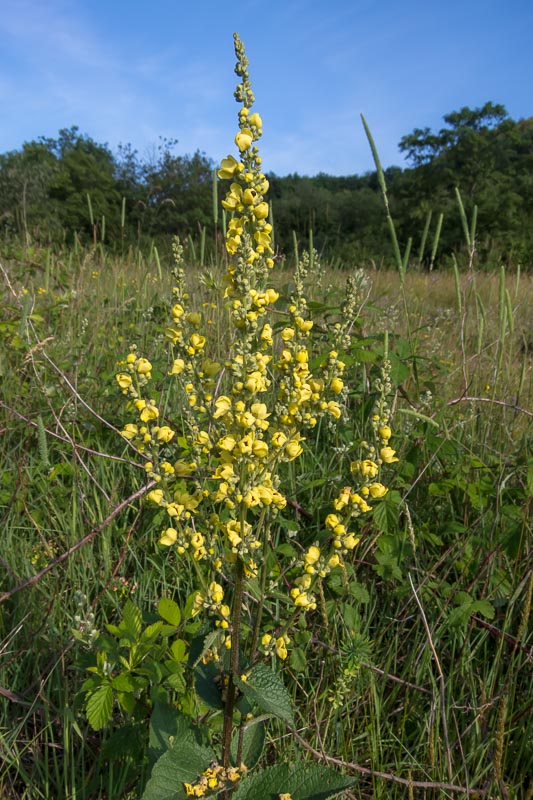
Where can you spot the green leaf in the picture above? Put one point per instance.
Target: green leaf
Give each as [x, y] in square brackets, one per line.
[387, 511]
[266, 784]
[484, 608]
[166, 725]
[132, 619]
[169, 611]
[252, 744]
[301, 781]
[152, 631]
[123, 683]
[99, 705]
[183, 763]
[179, 650]
[265, 689]
[207, 687]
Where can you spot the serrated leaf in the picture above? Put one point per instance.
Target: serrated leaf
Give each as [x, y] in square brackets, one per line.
[166, 725]
[99, 706]
[132, 619]
[179, 650]
[301, 781]
[152, 631]
[266, 784]
[484, 608]
[317, 782]
[252, 744]
[386, 513]
[123, 683]
[183, 763]
[265, 689]
[126, 701]
[207, 687]
[169, 611]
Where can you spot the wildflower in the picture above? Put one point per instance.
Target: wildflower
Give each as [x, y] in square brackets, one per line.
[124, 380]
[244, 139]
[129, 431]
[281, 647]
[228, 167]
[312, 555]
[168, 537]
[367, 468]
[144, 367]
[377, 490]
[387, 455]
[293, 449]
[385, 432]
[155, 496]
[164, 434]
[222, 406]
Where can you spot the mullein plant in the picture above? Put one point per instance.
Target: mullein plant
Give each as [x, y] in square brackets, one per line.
[217, 478]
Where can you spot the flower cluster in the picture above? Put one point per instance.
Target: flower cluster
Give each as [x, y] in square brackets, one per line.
[213, 779]
[218, 462]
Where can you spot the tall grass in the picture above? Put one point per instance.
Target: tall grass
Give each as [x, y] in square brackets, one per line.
[433, 696]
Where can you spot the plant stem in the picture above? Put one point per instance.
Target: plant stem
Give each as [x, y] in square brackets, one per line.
[234, 662]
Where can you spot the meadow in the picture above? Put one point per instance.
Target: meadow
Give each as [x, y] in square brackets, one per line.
[401, 668]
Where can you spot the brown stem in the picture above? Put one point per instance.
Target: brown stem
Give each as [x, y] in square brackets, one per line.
[231, 691]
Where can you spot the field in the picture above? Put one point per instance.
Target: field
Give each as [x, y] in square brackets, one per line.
[412, 675]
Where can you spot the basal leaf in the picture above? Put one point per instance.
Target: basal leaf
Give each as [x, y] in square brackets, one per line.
[183, 763]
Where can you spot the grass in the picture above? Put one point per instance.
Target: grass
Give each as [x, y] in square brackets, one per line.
[420, 682]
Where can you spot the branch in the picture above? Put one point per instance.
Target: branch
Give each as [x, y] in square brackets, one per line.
[388, 776]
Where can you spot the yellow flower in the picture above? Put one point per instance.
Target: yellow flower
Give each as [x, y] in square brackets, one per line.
[227, 442]
[255, 120]
[261, 211]
[281, 648]
[350, 541]
[367, 468]
[385, 432]
[312, 555]
[197, 342]
[278, 439]
[129, 430]
[293, 449]
[155, 496]
[222, 406]
[387, 455]
[334, 409]
[228, 167]
[164, 434]
[266, 639]
[149, 413]
[177, 367]
[123, 380]
[168, 537]
[244, 139]
[217, 592]
[336, 385]
[144, 367]
[377, 490]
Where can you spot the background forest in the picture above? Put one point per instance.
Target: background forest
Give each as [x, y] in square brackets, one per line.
[54, 191]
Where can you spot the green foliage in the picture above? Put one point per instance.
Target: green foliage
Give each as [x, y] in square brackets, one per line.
[132, 661]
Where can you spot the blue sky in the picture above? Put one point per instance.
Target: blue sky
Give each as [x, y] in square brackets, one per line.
[134, 71]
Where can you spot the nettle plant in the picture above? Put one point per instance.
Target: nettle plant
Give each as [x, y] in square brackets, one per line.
[221, 444]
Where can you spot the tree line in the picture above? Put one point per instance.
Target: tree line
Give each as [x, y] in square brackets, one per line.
[54, 189]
